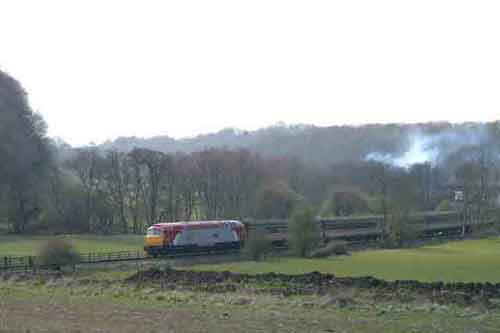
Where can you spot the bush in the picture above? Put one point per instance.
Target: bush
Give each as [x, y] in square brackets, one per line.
[57, 253]
[336, 248]
[256, 245]
[303, 232]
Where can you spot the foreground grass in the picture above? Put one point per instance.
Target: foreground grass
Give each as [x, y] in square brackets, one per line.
[87, 304]
[466, 261]
[29, 245]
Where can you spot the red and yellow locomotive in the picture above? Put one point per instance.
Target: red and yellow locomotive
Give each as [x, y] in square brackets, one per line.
[164, 238]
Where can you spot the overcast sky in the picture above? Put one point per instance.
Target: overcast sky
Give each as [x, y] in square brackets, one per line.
[101, 69]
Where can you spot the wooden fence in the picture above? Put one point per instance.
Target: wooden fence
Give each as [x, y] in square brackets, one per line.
[30, 263]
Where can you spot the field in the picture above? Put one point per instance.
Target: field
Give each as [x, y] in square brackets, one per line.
[185, 312]
[95, 301]
[123, 298]
[466, 261]
[29, 245]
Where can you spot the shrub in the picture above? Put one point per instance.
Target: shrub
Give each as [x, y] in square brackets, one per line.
[256, 245]
[303, 232]
[57, 253]
[336, 248]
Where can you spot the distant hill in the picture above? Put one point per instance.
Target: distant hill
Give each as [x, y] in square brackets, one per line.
[313, 144]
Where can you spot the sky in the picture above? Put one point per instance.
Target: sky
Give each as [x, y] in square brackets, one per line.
[97, 70]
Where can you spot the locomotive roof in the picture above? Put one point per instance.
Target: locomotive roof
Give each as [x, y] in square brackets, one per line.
[193, 223]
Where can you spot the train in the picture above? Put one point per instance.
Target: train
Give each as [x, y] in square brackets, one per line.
[369, 228]
[174, 237]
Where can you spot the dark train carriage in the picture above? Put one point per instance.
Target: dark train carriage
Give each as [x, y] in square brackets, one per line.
[351, 228]
[427, 224]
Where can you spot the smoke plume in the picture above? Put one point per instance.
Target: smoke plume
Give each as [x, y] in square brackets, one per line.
[431, 147]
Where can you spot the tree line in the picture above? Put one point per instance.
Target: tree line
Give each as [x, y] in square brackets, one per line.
[49, 187]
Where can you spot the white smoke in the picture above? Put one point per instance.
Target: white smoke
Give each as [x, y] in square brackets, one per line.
[422, 149]
[430, 148]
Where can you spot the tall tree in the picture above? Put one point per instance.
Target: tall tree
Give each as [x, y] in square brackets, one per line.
[25, 153]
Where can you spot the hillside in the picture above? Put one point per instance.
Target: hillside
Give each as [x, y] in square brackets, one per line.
[324, 145]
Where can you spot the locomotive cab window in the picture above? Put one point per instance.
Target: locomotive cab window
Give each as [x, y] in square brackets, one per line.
[153, 232]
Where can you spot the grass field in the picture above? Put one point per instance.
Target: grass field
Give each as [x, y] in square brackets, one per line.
[29, 245]
[96, 299]
[90, 304]
[467, 261]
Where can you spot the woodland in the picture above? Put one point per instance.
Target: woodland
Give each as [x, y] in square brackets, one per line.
[125, 185]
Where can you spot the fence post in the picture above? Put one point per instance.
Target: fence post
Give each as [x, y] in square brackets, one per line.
[30, 263]
[323, 232]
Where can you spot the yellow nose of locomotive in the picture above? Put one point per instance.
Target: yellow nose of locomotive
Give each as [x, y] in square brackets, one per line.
[153, 238]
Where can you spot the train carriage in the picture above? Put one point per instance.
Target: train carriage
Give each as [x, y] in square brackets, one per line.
[427, 224]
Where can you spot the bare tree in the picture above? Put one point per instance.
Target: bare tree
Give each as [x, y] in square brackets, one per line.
[85, 164]
[117, 185]
[379, 173]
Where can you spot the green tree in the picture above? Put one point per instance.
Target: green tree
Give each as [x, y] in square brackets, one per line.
[26, 156]
[303, 232]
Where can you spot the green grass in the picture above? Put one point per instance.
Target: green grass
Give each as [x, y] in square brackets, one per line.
[88, 305]
[468, 261]
[29, 245]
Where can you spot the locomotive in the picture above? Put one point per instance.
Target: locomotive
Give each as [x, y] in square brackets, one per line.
[165, 238]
